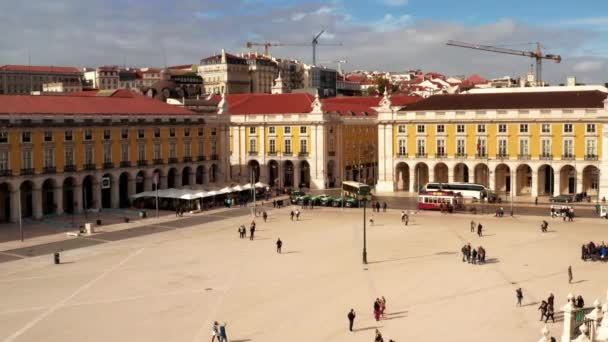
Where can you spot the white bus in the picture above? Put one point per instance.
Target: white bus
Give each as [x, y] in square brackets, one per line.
[468, 190]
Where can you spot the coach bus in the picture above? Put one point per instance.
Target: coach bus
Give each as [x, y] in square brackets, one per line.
[434, 200]
[469, 190]
[354, 189]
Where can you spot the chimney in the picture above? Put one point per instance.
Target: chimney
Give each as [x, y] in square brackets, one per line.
[571, 81]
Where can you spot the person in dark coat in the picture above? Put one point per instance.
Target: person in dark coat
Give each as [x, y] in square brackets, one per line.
[351, 319]
[520, 296]
[279, 245]
[550, 299]
[569, 274]
[378, 206]
[479, 230]
[543, 309]
[550, 314]
[384, 207]
[251, 231]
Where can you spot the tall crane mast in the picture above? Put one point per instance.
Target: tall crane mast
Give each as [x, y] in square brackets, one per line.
[537, 54]
[266, 46]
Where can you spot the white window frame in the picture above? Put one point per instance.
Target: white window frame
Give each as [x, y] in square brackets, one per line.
[543, 126]
[420, 129]
[524, 128]
[524, 146]
[461, 128]
[440, 147]
[481, 128]
[303, 145]
[590, 128]
[402, 147]
[546, 148]
[441, 129]
[287, 146]
[420, 146]
[501, 130]
[401, 129]
[461, 146]
[303, 130]
[568, 128]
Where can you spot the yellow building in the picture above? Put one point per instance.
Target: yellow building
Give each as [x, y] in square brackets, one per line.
[521, 142]
[68, 153]
[297, 140]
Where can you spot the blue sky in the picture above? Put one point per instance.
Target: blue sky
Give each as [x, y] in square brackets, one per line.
[383, 35]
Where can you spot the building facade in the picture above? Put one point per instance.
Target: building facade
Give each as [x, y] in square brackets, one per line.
[25, 79]
[103, 78]
[224, 74]
[541, 142]
[64, 154]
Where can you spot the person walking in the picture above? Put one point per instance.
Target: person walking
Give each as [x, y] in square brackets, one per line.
[382, 306]
[297, 215]
[252, 231]
[291, 214]
[569, 274]
[407, 219]
[550, 299]
[384, 206]
[265, 215]
[215, 331]
[543, 309]
[351, 319]
[479, 230]
[377, 309]
[378, 336]
[520, 296]
[402, 216]
[550, 313]
[223, 334]
[472, 226]
[378, 206]
[279, 245]
[242, 231]
[465, 253]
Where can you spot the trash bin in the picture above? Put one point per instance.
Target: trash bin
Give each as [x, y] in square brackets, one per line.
[88, 228]
[56, 258]
[99, 222]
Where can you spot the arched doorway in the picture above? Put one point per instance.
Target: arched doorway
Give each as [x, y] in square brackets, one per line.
[69, 200]
[107, 183]
[402, 174]
[591, 180]
[5, 202]
[186, 176]
[273, 172]
[461, 173]
[441, 173]
[200, 174]
[87, 192]
[288, 174]
[48, 197]
[523, 179]
[421, 176]
[546, 180]
[140, 182]
[157, 174]
[253, 171]
[567, 180]
[482, 175]
[331, 178]
[213, 173]
[27, 204]
[171, 178]
[123, 190]
[304, 174]
[502, 180]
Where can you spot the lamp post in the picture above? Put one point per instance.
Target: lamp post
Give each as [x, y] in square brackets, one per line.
[364, 231]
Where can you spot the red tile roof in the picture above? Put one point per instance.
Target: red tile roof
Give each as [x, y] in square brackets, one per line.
[39, 68]
[348, 109]
[269, 103]
[524, 100]
[476, 79]
[182, 67]
[404, 100]
[73, 105]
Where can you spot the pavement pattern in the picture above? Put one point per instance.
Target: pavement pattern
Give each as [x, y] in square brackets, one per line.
[169, 281]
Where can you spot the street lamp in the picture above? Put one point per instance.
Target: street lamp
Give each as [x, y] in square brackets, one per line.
[364, 200]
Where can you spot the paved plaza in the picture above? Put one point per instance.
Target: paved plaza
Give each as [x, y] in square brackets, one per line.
[171, 284]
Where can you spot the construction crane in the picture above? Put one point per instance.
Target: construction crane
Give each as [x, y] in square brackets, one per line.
[315, 42]
[338, 62]
[537, 55]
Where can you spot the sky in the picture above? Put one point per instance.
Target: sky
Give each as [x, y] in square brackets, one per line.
[388, 35]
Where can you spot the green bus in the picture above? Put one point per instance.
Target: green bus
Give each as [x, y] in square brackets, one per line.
[355, 189]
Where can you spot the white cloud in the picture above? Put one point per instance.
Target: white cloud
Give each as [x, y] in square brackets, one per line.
[591, 21]
[588, 66]
[395, 2]
[391, 23]
[298, 16]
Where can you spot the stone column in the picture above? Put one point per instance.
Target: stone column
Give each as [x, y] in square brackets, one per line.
[206, 171]
[491, 178]
[450, 174]
[96, 195]
[534, 190]
[132, 186]
[317, 157]
[37, 202]
[148, 181]
[114, 194]
[78, 198]
[579, 181]
[386, 181]
[192, 177]
[567, 319]
[58, 198]
[545, 333]
[296, 174]
[556, 184]
[412, 187]
[178, 180]
[15, 199]
[603, 166]
[163, 182]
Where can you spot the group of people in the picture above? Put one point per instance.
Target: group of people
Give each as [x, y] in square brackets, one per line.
[500, 212]
[376, 206]
[445, 208]
[547, 310]
[472, 255]
[566, 212]
[594, 252]
[243, 231]
[379, 307]
[219, 331]
[479, 228]
[405, 218]
[379, 337]
[295, 213]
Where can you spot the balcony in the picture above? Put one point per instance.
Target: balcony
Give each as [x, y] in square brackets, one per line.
[402, 155]
[303, 154]
[502, 156]
[142, 163]
[187, 159]
[201, 158]
[173, 161]
[461, 156]
[108, 165]
[125, 163]
[568, 156]
[158, 161]
[252, 153]
[421, 155]
[591, 157]
[523, 156]
[272, 153]
[49, 169]
[69, 168]
[214, 157]
[89, 167]
[331, 153]
[288, 153]
[6, 173]
[481, 155]
[440, 155]
[546, 157]
[26, 172]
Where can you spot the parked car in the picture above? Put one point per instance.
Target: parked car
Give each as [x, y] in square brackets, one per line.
[295, 196]
[561, 199]
[327, 201]
[337, 202]
[303, 199]
[351, 202]
[317, 200]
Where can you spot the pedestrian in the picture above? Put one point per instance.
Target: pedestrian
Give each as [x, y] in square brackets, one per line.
[479, 230]
[468, 247]
[580, 303]
[550, 299]
[279, 245]
[464, 253]
[274, 203]
[569, 274]
[407, 219]
[215, 331]
[377, 309]
[371, 220]
[382, 306]
[176, 211]
[402, 216]
[520, 296]
[351, 319]
[550, 313]
[251, 231]
[378, 206]
[472, 226]
[291, 214]
[265, 215]
[297, 215]
[378, 337]
[543, 309]
[223, 335]
[384, 206]
[242, 231]
[536, 201]
[474, 256]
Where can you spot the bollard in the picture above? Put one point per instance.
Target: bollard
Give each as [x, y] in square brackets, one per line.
[56, 258]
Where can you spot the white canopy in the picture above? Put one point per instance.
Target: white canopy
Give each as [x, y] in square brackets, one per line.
[192, 194]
